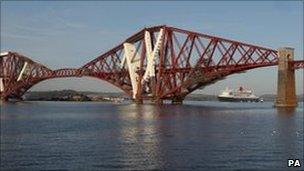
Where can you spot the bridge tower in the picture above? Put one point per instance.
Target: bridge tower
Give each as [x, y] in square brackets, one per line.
[286, 90]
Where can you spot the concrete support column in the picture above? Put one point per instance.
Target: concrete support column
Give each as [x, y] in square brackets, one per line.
[138, 101]
[159, 101]
[3, 99]
[177, 100]
[286, 90]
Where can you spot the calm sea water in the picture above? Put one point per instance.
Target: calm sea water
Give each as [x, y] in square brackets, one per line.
[193, 136]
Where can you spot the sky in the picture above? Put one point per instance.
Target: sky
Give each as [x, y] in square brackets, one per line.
[69, 34]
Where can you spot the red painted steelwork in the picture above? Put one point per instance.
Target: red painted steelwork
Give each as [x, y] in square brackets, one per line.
[186, 61]
[297, 64]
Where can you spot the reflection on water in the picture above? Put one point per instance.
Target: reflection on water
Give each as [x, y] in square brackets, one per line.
[287, 133]
[286, 111]
[140, 143]
[105, 136]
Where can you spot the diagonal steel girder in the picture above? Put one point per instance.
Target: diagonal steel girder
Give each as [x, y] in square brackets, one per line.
[182, 62]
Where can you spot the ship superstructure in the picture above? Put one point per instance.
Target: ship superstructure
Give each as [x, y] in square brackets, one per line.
[239, 95]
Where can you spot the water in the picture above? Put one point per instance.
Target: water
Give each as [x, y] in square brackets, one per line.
[105, 136]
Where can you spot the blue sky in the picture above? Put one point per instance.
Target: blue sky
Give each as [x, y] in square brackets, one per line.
[69, 34]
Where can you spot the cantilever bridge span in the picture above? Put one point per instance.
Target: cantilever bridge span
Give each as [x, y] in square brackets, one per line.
[156, 63]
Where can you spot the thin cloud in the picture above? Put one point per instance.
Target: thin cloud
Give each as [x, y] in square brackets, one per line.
[15, 36]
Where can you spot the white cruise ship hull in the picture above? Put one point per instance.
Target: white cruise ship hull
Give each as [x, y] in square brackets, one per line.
[238, 99]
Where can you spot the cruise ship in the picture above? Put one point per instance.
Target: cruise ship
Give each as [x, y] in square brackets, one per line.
[239, 95]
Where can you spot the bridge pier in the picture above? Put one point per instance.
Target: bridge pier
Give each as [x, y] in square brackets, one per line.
[177, 100]
[138, 101]
[3, 99]
[286, 90]
[159, 101]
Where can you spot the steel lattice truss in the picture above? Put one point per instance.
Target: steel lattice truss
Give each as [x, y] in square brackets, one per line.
[19, 73]
[184, 62]
[297, 64]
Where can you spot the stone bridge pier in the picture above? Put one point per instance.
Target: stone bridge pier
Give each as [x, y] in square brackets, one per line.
[286, 90]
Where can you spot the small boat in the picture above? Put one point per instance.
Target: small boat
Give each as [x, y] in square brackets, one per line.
[239, 95]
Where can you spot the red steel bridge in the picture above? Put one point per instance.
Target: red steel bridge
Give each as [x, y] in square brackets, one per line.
[156, 63]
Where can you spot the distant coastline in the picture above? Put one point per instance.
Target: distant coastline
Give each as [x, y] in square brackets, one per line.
[72, 95]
